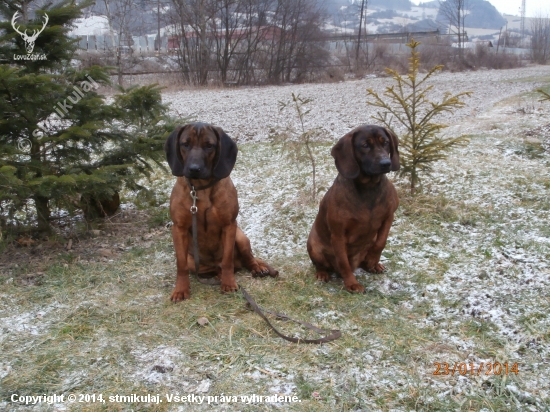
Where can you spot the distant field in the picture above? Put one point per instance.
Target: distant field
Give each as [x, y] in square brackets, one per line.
[468, 279]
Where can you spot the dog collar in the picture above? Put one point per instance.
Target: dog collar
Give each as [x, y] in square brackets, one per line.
[212, 183]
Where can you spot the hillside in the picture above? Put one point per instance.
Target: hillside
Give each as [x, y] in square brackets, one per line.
[401, 15]
[483, 15]
[383, 16]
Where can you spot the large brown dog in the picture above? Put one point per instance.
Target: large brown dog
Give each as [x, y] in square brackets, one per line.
[356, 213]
[203, 156]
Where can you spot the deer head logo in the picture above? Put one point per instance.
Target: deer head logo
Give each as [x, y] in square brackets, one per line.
[29, 40]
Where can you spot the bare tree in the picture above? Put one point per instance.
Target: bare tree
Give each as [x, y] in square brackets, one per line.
[110, 22]
[294, 24]
[228, 32]
[342, 18]
[540, 39]
[256, 32]
[119, 15]
[194, 21]
[454, 12]
[281, 39]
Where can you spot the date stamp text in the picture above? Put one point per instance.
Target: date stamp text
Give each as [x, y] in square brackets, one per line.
[463, 368]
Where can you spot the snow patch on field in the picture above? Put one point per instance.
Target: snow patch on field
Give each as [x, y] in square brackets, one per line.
[497, 266]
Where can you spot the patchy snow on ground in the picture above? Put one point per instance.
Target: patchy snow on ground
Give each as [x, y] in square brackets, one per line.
[496, 266]
[485, 267]
[248, 114]
[33, 322]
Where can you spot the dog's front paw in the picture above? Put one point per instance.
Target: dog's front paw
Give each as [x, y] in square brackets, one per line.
[355, 288]
[322, 276]
[179, 295]
[230, 286]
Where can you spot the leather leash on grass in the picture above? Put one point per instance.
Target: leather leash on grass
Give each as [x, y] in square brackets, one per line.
[329, 335]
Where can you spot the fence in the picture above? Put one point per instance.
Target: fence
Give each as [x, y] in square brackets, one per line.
[148, 43]
[137, 44]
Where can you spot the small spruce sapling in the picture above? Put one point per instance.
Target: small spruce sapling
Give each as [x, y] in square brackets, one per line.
[407, 104]
[299, 142]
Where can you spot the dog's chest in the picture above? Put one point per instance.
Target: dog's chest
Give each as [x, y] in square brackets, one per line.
[363, 228]
[209, 234]
[213, 215]
[364, 219]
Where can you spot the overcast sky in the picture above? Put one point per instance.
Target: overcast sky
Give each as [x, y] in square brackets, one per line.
[533, 7]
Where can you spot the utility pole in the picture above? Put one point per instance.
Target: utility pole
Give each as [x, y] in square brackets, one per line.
[505, 36]
[158, 24]
[522, 28]
[359, 35]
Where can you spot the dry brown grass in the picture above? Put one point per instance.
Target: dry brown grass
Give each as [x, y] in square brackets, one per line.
[78, 322]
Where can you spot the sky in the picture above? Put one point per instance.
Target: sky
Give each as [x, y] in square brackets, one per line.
[533, 7]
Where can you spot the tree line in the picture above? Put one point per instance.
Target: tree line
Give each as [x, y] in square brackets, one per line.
[244, 41]
[248, 41]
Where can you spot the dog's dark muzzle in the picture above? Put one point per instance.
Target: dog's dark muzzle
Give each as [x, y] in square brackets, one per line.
[382, 167]
[385, 165]
[195, 172]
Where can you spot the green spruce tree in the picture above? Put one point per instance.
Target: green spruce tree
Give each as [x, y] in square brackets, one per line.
[62, 148]
[406, 106]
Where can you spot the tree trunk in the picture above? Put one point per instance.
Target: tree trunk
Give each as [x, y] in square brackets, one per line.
[42, 214]
[204, 52]
[40, 202]
[118, 65]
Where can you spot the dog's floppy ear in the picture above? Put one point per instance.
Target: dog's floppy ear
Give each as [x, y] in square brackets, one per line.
[227, 154]
[344, 157]
[173, 155]
[394, 152]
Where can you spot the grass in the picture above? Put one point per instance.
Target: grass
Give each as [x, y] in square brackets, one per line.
[466, 247]
[531, 79]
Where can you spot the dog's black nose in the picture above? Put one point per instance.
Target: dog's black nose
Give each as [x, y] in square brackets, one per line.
[384, 163]
[194, 170]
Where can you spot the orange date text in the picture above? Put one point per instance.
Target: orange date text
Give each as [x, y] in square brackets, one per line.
[463, 368]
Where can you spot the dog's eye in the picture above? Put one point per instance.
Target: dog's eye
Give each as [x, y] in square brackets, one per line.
[184, 144]
[209, 146]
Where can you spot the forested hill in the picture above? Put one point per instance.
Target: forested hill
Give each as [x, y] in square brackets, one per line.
[483, 15]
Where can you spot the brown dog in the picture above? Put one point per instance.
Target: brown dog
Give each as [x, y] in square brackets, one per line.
[356, 213]
[203, 156]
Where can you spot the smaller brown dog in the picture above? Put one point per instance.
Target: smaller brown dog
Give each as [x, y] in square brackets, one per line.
[356, 213]
[203, 155]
